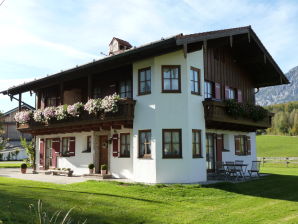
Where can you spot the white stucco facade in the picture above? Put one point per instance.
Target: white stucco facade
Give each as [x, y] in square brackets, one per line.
[155, 112]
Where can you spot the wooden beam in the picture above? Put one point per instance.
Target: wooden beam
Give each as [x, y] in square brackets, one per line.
[185, 50]
[20, 101]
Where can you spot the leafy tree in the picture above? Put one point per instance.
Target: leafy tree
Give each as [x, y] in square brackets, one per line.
[30, 150]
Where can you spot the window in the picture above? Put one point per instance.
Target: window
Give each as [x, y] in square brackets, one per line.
[65, 146]
[88, 144]
[230, 93]
[242, 145]
[124, 145]
[96, 93]
[125, 89]
[172, 143]
[145, 144]
[209, 90]
[144, 81]
[196, 144]
[51, 102]
[171, 79]
[195, 80]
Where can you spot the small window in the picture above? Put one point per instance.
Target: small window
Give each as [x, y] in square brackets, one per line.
[125, 89]
[88, 144]
[65, 146]
[145, 144]
[124, 145]
[209, 90]
[230, 93]
[96, 93]
[242, 145]
[196, 144]
[195, 80]
[172, 143]
[171, 79]
[51, 102]
[144, 81]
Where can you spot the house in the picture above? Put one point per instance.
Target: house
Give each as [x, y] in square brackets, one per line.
[179, 109]
[13, 150]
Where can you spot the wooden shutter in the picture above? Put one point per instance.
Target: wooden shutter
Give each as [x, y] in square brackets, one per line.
[226, 92]
[115, 145]
[72, 146]
[219, 146]
[217, 91]
[237, 145]
[41, 152]
[248, 145]
[239, 95]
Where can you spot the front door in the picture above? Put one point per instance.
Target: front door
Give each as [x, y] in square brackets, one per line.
[210, 152]
[103, 150]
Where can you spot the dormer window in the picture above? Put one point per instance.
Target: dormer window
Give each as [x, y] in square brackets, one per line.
[118, 46]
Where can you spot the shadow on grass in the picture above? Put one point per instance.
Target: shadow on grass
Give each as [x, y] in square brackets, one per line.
[86, 193]
[282, 187]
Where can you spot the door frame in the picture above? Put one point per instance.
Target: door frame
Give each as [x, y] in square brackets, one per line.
[213, 151]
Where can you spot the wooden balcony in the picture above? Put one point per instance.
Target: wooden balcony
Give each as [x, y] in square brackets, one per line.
[216, 117]
[86, 122]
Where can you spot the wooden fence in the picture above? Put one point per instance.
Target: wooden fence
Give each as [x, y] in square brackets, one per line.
[278, 160]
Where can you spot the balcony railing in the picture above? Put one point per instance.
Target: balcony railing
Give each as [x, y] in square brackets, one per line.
[85, 122]
[216, 117]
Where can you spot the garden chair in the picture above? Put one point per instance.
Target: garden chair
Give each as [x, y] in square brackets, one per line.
[220, 169]
[255, 168]
[239, 168]
[231, 170]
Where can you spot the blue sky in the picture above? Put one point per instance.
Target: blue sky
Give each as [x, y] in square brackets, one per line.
[43, 37]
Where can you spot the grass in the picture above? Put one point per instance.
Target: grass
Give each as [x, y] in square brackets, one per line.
[272, 199]
[10, 165]
[277, 146]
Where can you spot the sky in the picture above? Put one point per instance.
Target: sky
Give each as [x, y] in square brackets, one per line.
[39, 38]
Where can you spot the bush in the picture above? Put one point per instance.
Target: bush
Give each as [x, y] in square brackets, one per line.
[24, 166]
[91, 166]
[103, 167]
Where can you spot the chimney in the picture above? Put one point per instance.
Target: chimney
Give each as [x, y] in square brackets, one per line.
[118, 46]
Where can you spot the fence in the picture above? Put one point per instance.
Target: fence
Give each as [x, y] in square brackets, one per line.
[278, 160]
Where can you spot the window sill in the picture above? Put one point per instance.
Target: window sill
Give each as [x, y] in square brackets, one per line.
[197, 157]
[172, 157]
[124, 157]
[144, 94]
[195, 93]
[171, 91]
[243, 155]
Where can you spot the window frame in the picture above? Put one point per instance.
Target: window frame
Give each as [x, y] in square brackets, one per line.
[146, 92]
[146, 155]
[192, 82]
[179, 156]
[126, 89]
[229, 90]
[246, 145]
[65, 154]
[179, 79]
[200, 155]
[213, 89]
[89, 140]
[120, 145]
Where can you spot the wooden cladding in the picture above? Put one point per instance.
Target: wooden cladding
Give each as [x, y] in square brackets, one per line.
[223, 70]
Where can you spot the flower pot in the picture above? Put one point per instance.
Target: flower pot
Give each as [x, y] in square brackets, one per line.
[23, 170]
[103, 172]
[91, 171]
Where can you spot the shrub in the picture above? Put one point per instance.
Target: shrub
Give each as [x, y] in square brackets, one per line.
[91, 166]
[103, 167]
[24, 166]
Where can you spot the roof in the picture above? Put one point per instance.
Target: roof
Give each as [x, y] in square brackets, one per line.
[162, 46]
[120, 41]
[24, 105]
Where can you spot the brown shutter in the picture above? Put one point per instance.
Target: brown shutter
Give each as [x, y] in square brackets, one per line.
[219, 146]
[237, 145]
[226, 92]
[115, 145]
[72, 146]
[41, 152]
[217, 91]
[239, 95]
[248, 145]
[55, 150]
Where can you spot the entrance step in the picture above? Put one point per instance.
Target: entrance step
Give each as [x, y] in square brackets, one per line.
[99, 176]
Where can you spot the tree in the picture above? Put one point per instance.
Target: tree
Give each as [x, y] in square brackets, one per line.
[30, 150]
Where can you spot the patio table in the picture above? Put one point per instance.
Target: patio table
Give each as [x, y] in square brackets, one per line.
[238, 168]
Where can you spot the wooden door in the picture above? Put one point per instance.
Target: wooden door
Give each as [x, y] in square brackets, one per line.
[103, 150]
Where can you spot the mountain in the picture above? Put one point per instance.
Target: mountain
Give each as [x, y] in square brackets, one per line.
[280, 94]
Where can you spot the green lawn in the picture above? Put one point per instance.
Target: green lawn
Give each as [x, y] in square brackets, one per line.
[277, 146]
[272, 199]
[10, 165]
